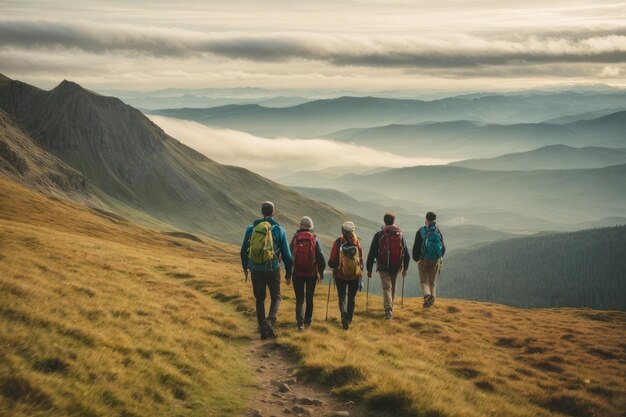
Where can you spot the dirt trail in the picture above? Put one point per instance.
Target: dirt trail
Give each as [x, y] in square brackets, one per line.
[281, 393]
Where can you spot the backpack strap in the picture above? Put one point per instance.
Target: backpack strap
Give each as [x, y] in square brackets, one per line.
[424, 234]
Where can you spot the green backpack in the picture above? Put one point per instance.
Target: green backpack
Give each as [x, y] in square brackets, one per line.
[261, 249]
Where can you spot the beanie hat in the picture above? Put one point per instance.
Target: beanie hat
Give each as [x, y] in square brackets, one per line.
[306, 223]
[348, 226]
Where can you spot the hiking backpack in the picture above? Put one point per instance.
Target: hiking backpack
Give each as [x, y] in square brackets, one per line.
[261, 250]
[432, 243]
[390, 247]
[349, 262]
[304, 259]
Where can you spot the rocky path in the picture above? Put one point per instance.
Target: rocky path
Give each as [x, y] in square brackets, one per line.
[280, 393]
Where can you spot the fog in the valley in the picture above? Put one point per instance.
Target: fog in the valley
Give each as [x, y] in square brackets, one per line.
[282, 156]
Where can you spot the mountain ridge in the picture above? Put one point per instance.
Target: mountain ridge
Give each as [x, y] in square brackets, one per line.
[468, 139]
[566, 196]
[555, 157]
[319, 117]
[136, 168]
[22, 160]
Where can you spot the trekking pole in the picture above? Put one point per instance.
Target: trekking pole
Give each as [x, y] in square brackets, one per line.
[328, 298]
[402, 298]
[367, 294]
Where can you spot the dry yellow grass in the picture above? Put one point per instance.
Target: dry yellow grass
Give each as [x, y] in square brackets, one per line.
[102, 317]
[473, 359]
[99, 317]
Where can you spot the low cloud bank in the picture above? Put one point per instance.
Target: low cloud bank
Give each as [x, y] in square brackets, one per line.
[281, 156]
[447, 51]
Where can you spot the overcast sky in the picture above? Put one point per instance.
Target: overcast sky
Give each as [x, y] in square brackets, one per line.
[364, 45]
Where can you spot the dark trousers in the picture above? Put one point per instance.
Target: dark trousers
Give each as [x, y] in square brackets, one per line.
[351, 288]
[260, 281]
[304, 289]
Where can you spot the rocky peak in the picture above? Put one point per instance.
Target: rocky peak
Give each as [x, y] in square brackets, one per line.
[68, 87]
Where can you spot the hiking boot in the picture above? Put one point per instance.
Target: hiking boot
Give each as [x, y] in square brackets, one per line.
[426, 303]
[307, 325]
[270, 330]
[430, 299]
[388, 315]
[345, 323]
[300, 327]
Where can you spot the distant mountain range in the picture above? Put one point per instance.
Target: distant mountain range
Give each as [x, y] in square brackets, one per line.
[410, 217]
[550, 157]
[137, 171]
[566, 196]
[148, 102]
[463, 139]
[323, 117]
[581, 269]
[582, 116]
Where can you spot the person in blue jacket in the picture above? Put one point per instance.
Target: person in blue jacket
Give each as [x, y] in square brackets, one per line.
[267, 276]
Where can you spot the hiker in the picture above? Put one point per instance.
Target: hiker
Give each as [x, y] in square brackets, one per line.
[346, 259]
[264, 245]
[308, 269]
[392, 255]
[428, 252]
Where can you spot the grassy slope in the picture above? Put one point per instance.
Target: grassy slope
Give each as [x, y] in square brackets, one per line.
[472, 359]
[101, 317]
[96, 321]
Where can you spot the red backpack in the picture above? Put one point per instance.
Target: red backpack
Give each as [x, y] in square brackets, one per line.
[304, 260]
[390, 247]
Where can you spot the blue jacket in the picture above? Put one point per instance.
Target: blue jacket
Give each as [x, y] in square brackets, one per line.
[281, 249]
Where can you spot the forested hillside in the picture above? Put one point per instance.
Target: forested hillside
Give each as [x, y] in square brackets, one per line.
[580, 269]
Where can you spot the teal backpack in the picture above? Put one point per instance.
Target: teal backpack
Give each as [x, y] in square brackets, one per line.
[432, 243]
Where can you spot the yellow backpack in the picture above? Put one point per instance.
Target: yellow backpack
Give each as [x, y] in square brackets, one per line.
[349, 261]
[261, 249]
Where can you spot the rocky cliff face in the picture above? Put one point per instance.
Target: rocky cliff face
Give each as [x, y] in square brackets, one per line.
[23, 161]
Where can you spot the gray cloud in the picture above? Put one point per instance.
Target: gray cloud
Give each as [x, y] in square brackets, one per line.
[601, 46]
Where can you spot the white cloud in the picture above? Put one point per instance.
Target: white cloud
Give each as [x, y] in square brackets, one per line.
[281, 156]
[609, 72]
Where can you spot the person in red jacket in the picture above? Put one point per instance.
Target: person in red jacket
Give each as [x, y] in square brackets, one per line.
[308, 270]
[346, 259]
